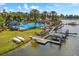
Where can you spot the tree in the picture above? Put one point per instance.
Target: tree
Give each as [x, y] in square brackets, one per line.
[8, 20]
[61, 16]
[53, 15]
[18, 16]
[34, 14]
[25, 15]
[54, 18]
[44, 15]
[1, 20]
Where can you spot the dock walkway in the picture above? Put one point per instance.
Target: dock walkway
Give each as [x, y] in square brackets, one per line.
[44, 41]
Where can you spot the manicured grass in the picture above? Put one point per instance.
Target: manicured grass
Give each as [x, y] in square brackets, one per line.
[5, 39]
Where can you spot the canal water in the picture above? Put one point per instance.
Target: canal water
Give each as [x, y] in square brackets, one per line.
[70, 48]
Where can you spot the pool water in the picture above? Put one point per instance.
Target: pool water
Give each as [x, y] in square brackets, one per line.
[29, 25]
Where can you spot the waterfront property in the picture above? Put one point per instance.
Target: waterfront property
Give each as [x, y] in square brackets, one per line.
[23, 30]
[69, 48]
[6, 43]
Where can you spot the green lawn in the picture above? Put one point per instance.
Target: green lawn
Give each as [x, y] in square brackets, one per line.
[5, 39]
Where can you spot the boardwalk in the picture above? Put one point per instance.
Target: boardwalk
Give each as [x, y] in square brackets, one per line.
[44, 41]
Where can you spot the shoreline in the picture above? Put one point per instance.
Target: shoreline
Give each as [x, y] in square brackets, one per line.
[15, 48]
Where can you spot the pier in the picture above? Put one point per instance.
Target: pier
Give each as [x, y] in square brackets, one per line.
[45, 41]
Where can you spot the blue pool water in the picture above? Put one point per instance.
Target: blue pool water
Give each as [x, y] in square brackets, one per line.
[29, 25]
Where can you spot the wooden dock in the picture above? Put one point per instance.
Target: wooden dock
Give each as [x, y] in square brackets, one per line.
[39, 39]
[44, 41]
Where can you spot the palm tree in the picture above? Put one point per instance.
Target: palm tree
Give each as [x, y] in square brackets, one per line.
[53, 15]
[19, 16]
[61, 15]
[44, 15]
[54, 18]
[25, 15]
[8, 20]
[34, 14]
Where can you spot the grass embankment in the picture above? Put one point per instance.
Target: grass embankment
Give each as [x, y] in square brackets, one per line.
[5, 39]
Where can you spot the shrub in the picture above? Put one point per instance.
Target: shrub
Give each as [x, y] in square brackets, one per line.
[1, 20]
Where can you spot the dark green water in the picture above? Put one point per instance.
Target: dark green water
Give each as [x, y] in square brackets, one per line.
[70, 48]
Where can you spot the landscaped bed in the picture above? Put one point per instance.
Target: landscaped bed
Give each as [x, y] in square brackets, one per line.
[7, 45]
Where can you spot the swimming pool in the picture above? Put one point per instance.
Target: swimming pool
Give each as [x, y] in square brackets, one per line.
[29, 25]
